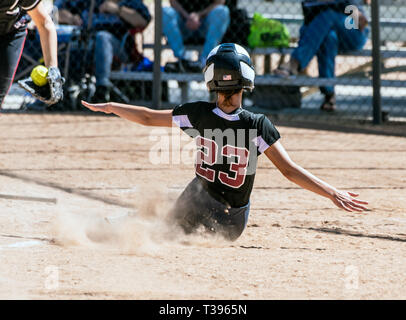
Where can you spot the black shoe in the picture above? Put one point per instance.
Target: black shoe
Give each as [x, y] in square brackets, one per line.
[191, 66]
[329, 103]
[172, 67]
[183, 66]
[102, 94]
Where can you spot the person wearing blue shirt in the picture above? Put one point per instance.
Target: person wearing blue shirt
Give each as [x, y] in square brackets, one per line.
[328, 30]
[111, 20]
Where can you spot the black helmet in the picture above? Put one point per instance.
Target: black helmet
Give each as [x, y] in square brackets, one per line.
[229, 67]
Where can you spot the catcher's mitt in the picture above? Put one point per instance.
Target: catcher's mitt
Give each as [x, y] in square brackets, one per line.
[50, 93]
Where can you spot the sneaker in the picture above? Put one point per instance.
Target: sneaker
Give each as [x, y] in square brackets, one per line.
[172, 67]
[329, 103]
[102, 94]
[183, 66]
[191, 66]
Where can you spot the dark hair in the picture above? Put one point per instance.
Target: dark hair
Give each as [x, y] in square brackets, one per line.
[228, 95]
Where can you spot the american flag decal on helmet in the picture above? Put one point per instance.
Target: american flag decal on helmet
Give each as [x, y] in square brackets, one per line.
[227, 77]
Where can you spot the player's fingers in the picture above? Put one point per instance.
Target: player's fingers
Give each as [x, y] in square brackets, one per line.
[360, 201]
[355, 207]
[353, 194]
[342, 205]
[93, 107]
[358, 205]
[86, 104]
[89, 104]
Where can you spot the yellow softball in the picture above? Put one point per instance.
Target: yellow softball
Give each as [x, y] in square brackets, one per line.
[39, 75]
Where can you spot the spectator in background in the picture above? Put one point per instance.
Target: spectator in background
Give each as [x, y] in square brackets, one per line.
[324, 35]
[111, 21]
[194, 19]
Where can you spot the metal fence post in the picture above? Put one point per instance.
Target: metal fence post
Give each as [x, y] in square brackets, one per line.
[157, 85]
[376, 63]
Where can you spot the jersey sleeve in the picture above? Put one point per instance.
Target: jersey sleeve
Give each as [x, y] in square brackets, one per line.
[28, 5]
[186, 117]
[267, 134]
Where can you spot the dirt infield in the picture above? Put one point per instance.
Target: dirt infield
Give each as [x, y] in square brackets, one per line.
[60, 175]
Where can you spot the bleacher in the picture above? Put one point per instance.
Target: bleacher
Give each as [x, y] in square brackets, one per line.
[269, 79]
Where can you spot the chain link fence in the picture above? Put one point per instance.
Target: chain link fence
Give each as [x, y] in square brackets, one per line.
[310, 58]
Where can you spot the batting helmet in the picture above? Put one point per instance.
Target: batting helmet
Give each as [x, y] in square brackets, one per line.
[229, 67]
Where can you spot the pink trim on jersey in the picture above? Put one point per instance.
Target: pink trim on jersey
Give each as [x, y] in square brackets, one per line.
[182, 121]
[229, 117]
[261, 144]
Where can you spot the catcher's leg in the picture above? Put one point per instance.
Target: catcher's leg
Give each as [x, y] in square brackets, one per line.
[11, 49]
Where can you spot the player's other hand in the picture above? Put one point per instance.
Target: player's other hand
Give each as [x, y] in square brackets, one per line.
[98, 107]
[347, 201]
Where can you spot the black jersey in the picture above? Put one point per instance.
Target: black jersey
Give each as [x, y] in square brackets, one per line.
[12, 13]
[228, 147]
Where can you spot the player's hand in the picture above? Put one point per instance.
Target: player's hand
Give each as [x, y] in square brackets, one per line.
[346, 200]
[98, 107]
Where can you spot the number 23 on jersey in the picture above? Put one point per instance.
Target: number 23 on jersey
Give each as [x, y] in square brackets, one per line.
[237, 162]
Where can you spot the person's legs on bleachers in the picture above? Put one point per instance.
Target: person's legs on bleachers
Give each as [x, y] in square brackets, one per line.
[313, 35]
[215, 26]
[324, 36]
[175, 30]
[172, 22]
[106, 46]
[340, 39]
[351, 39]
[326, 63]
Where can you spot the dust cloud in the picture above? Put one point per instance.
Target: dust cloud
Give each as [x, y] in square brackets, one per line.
[143, 231]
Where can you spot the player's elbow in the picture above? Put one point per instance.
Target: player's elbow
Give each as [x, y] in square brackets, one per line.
[44, 24]
[289, 171]
[49, 24]
[147, 121]
[147, 118]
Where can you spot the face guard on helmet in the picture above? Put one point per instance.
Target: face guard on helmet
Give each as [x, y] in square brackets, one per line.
[229, 67]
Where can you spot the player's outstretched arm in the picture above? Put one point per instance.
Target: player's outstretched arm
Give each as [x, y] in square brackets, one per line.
[141, 115]
[47, 32]
[342, 199]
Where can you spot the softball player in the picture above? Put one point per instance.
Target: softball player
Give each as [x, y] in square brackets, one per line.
[229, 140]
[13, 31]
